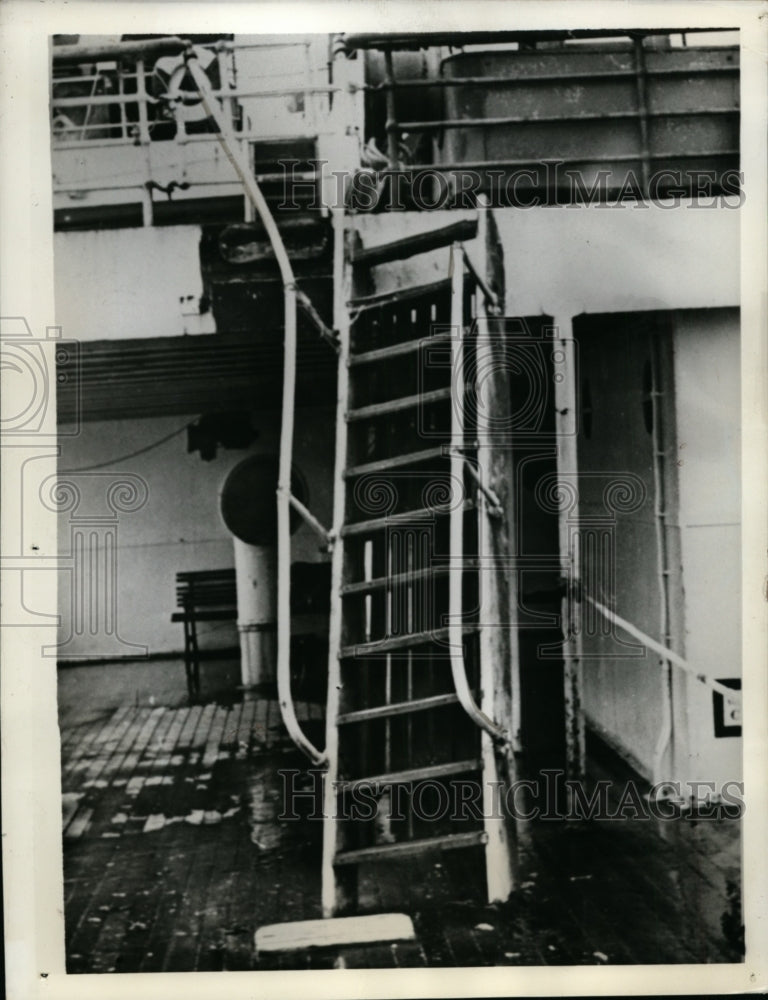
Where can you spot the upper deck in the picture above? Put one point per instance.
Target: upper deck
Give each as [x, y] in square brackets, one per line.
[389, 122]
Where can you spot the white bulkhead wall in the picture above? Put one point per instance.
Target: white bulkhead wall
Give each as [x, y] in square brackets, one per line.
[708, 411]
[121, 284]
[563, 262]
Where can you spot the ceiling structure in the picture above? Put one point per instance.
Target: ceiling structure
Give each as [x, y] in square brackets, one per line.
[210, 373]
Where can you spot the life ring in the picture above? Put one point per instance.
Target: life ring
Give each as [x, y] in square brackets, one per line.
[172, 82]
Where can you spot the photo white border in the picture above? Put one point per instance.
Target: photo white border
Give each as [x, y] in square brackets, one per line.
[32, 851]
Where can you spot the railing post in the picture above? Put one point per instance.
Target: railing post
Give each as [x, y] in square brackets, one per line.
[567, 469]
[393, 138]
[144, 141]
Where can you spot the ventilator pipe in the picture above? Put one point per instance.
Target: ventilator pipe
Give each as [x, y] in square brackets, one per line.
[239, 161]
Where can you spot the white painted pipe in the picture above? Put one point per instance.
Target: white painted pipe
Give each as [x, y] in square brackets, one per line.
[256, 579]
[239, 161]
[455, 574]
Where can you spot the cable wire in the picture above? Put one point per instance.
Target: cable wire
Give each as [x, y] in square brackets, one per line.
[133, 454]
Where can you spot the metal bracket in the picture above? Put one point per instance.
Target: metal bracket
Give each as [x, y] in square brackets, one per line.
[329, 335]
[495, 508]
[308, 516]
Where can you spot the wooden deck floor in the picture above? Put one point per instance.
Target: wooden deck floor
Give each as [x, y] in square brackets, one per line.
[174, 855]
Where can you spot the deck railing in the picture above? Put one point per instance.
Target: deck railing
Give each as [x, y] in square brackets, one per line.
[128, 125]
[523, 123]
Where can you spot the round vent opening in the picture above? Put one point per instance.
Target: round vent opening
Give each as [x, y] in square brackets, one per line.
[248, 503]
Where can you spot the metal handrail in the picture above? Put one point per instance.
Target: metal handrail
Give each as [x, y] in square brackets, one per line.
[86, 100]
[455, 573]
[730, 694]
[88, 136]
[239, 161]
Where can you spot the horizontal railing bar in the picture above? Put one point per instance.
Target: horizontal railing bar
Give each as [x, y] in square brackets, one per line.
[222, 45]
[543, 161]
[85, 186]
[513, 81]
[393, 41]
[86, 77]
[185, 140]
[83, 101]
[86, 101]
[629, 113]
[131, 73]
[456, 81]
[228, 46]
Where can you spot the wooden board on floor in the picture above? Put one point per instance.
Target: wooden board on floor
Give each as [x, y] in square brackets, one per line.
[335, 932]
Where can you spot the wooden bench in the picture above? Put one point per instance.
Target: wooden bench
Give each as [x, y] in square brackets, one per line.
[202, 596]
[211, 596]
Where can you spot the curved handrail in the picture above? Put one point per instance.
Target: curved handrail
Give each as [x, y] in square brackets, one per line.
[455, 632]
[240, 163]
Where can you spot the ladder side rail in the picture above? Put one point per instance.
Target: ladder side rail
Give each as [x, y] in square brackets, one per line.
[499, 653]
[570, 555]
[239, 161]
[332, 896]
[456, 559]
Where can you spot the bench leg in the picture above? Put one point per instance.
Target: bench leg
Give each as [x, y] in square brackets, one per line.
[188, 657]
[194, 672]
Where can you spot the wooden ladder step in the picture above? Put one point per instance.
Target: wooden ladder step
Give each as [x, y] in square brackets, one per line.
[382, 464]
[403, 403]
[397, 708]
[397, 350]
[413, 774]
[400, 295]
[405, 517]
[400, 642]
[395, 580]
[410, 246]
[382, 852]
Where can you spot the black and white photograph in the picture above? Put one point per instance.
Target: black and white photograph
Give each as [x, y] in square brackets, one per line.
[384, 468]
